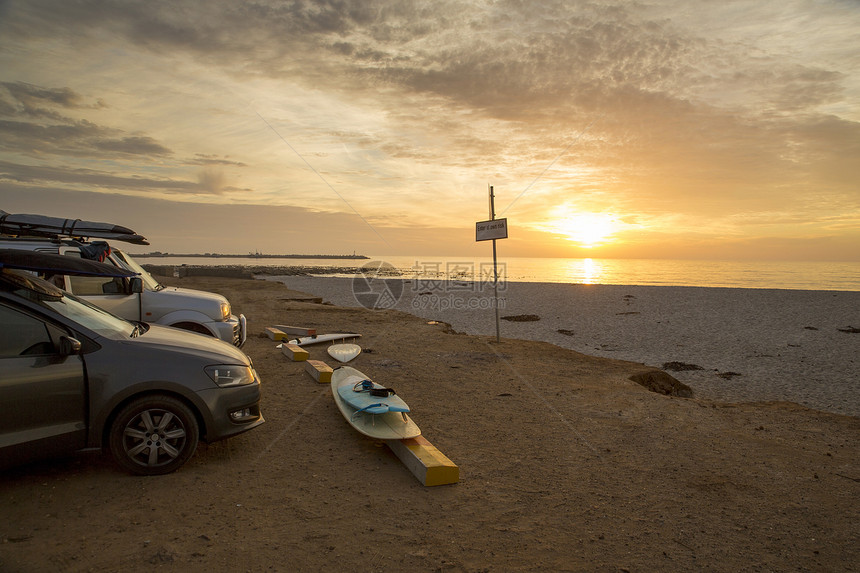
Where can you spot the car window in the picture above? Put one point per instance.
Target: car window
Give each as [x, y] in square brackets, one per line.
[84, 313]
[84, 286]
[88, 286]
[22, 334]
[149, 282]
[92, 317]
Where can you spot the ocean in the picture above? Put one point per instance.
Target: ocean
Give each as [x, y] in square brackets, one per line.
[836, 276]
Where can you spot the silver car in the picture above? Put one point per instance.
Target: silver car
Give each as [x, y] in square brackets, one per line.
[73, 376]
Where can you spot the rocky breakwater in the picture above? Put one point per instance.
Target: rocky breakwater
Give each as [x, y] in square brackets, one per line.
[246, 271]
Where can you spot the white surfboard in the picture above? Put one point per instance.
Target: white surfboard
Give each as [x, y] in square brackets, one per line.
[344, 352]
[306, 340]
[390, 425]
[44, 226]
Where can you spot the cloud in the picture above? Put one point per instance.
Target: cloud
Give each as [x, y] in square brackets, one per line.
[29, 99]
[209, 181]
[79, 176]
[202, 159]
[140, 145]
[78, 138]
[710, 114]
[37, 127]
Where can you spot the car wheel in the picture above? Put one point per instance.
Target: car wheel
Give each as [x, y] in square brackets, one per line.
[193, 327]
[153, 435]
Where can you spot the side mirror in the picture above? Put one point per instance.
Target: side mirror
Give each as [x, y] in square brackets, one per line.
[135, 285]
[69, 346]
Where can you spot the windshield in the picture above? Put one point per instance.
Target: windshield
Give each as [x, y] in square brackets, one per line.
[85, 314]
[149, 281]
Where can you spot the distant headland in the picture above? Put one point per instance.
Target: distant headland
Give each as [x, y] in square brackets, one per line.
[158, 254]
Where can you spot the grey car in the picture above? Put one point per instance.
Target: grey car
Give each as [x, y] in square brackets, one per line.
[73, 377]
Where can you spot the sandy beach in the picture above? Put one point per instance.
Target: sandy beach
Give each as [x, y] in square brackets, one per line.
[731, 345]
[566, 464]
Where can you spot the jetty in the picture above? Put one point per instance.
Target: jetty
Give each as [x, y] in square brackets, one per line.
[158, 254]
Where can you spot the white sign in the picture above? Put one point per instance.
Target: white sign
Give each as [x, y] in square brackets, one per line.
[494, 229]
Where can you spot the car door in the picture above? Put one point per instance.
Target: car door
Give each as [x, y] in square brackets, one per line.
[109, 293]
[42, 392]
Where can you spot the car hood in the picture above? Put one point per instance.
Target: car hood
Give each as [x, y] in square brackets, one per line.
[193, 294]
[200, 345]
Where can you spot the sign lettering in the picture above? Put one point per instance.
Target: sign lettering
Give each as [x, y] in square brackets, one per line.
[493, 229]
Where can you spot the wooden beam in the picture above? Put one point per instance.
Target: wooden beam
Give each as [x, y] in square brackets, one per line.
[275, 333]
[425, 461]
[294, 352]
[296, 330]
[319, 371]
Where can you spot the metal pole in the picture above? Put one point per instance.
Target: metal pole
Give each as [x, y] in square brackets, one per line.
[496, 292]
[495, 268]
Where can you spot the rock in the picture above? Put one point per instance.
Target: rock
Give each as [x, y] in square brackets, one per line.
[163, 555]
[662, 383]
[522, 318]
[680, 366]
[728, 375]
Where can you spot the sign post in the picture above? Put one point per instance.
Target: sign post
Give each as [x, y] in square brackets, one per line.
[492, 230]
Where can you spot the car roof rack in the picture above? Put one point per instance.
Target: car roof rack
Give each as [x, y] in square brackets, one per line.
[26, 225]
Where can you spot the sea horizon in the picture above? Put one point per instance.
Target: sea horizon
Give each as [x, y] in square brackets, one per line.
[794, 275]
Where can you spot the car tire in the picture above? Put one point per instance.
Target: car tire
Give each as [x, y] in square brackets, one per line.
[193, 327]
[153, 435]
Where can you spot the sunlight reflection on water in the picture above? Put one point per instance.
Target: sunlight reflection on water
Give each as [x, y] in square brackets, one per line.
[844, 276]
[583, 271]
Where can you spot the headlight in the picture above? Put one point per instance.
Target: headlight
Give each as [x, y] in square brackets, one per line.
[225, 310]
[228, 375]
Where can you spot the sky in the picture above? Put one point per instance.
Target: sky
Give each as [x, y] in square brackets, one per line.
[656, 129]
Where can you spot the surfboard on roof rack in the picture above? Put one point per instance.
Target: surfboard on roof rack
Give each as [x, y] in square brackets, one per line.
[50, 263]
[27, 225]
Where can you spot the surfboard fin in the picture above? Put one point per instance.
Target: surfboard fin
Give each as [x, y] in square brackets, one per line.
[383, 408]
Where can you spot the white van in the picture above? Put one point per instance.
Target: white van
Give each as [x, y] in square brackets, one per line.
[143, 299]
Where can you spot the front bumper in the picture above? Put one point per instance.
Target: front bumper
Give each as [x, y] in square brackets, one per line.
[243, 331]
[234, 330]
[222, 402]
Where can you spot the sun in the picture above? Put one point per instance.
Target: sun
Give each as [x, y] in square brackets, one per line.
[589, 230]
